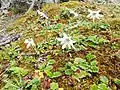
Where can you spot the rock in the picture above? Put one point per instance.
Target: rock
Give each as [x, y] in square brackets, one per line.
[6, 39]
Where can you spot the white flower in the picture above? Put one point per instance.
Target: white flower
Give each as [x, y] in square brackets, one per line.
[29, 42]
[42, 14]
[66, 42]
[74, 13]
[94, 14]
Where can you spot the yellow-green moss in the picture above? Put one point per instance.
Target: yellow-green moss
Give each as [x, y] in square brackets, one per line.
[22, 20]
[52, 9]
[114, 23]
[71, 4]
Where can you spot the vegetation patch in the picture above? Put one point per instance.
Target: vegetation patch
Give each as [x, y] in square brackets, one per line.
[73, 48]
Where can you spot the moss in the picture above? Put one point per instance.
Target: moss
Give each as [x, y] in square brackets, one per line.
[22, 21]
[71, 4]
[114, 23]
[51, 9]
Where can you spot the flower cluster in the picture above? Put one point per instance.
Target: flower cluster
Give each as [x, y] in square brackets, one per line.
[94, 14]
[29, 42]
[42, 14]
[66, 42]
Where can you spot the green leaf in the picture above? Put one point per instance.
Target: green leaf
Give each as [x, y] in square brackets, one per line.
[104, 79]
[117, 81]
[78, 60]
[56, 74]
[50, 62]
[49, 57]
[68, 72]
[80, 75]
[84, 65]
[18, 71]
[42, 66]
[74, 68]
[54, 86]
[83, 74]
[93, 87]
[92, 39]
[90, 56]
[34, 87]
[93, 69]
[9, 84]
[104, 26]
[93, 63]
[49, 73]
[91, 44]
[59, 25]
[49, 67]
[69, 64]
[101, 40]
[34, 81]
[102, 86]
[76, 76]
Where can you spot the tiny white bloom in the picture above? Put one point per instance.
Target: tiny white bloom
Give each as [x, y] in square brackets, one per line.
[75, 14]
[42, 14]
[29, 42]
[66, 42]
[94, 14]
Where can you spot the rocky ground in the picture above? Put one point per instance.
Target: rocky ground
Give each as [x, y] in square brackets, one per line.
[6, 36]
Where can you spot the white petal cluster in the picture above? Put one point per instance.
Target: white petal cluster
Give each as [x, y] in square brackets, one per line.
[42, 14]
[66, 42]
[94, 14]
[29, 42]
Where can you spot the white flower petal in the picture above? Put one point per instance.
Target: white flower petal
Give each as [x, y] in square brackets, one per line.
[62, 42]
[59, 39]
[94, 14]
[89, 10]
[98, 17]
[28, 45]
[64, 45]
[69, 46]
[64, 35]
[29, 42]
[76, 15]
[42, 14]
[26, 41]
[88, 15]
[73, 46]
[66, 41]
[101, 15]
[73, 41]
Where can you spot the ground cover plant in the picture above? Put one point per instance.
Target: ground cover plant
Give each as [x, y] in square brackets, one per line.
[67, 46]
